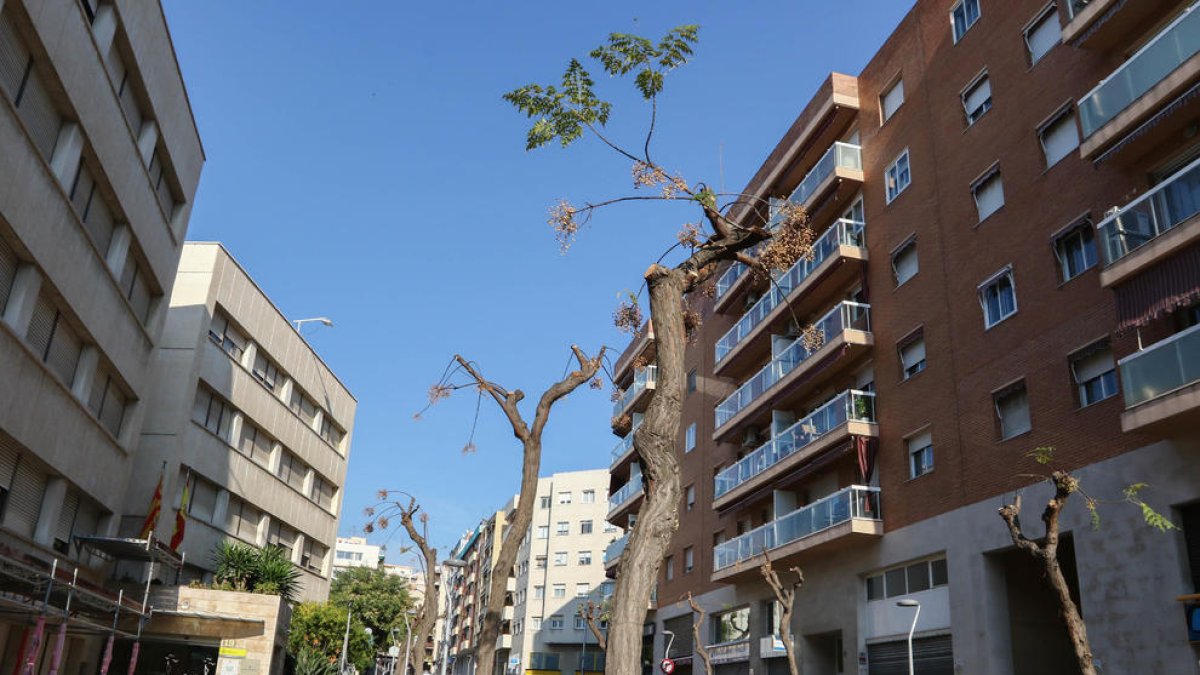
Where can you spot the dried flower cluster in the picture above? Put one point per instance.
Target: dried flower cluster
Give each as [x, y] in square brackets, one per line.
[640, 362]
[651, 175]
[383, 522]
[792, 240]
[468, 449]
[689, 236]
[562, 219]
[596, 383]
[691, 322]
[628, 316]
[812, 337]
[709, 290]
[438, 392]
[623, 424]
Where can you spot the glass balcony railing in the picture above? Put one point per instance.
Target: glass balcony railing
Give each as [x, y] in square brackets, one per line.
[615, 549]
[845, 315]
[854, 502]
[838, 155]
[1175, 44]
[852, 404]
[643, 379]
[729, 278]
[1162, 368]
[627, 492]
[625, 444]
[1137, 223]
[843, 233]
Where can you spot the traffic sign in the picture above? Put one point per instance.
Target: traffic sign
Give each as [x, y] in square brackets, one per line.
[667, 666]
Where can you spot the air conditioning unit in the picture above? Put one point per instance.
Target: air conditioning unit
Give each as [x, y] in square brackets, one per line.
[751, 439]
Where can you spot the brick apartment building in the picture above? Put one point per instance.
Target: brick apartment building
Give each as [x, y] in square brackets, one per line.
[1006, 204]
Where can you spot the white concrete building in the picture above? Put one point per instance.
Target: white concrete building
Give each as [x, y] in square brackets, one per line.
[249, 414]
[355, 552]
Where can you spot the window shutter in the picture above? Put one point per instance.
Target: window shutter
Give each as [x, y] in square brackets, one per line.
[203, 500]
[87, 519]
[41, 326]
[63, 355]
[892, 99]
[10, 454]
[38, 112]
[14, 57]
[1059, 139]
[66, 516]
[1042, 37]
[99, 222]
[989, 195]
[978, 95]
[921, 440]
[81, 191]
[99, 386]
[912, 353]
[25, 499]
[906, 263]
[116, 66]
[1093, 365]
[8, 272]
[139, 296]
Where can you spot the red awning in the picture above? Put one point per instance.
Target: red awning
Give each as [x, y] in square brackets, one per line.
[1165, 287]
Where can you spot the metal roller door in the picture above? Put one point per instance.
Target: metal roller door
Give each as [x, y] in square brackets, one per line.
[931, 656]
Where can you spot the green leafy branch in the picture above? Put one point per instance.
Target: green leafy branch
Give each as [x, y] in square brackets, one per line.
[1129, 495]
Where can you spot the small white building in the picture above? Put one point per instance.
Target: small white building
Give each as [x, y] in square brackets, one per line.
[355, 552]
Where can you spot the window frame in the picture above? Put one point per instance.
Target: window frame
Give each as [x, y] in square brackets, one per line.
[1049, 12]
[968, 23]
[887, 176]
[689, 438]
[910, 242]
[1067, 111]
[977, 186]
[1108, 378]
[1006, 271]
[906, 342]
[1077, 229]
[1012, 389]
[921, 451]
[884, 116]
[976, 82]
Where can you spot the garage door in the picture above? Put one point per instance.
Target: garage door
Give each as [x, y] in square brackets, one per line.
[931, 656]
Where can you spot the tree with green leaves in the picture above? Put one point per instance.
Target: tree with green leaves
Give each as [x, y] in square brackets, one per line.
[1045, 550]
[320, 627]
[725, 228]
[379, 599]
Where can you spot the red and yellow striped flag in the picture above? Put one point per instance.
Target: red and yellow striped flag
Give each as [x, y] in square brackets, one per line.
[155, 507]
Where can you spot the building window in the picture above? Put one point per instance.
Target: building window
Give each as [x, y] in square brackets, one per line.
[912, 353]
[535, 623]
[265, 371]
[998, 297]
[330, 431]
[913, 578]
[691, 380]
[1094, 373]
[303, 406]
[323, 492]
[312, 555]
[1012, 410]
[563, 527]
[539, 592]
[21, 77]
[543, 531]
[905, 264]
[669, 566]
[989, 194]
[1076, 250]
[279, 534]
[897, 176]
[891, 100]
[580, 623]
[964, 15]
[733, 625]
[241, 520]
[1059, 137]
[977, 98]
[560, 590]
[690, 497]
[582, 589]
[564, 497]
[202, 499]
[585, 527]
[556, 622]
[544, 502]
[212, 413]
[689, 559]
[292, 470]
[560, 559]
[920, 454]
[588, 497]
[689, 438]
[226, 336]
[585, 557]
[540, 562]
[1043, 34]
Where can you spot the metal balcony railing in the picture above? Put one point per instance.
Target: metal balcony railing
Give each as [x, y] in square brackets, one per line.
[854, 502]
[1168, 50]
[1161, 209]
[849, 405]
[643, 379]
[843, 233]
[627, 492]
[1162, 368]
[845, 315]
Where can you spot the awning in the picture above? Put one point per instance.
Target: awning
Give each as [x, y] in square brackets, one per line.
[1165, 287]
[1145, 127]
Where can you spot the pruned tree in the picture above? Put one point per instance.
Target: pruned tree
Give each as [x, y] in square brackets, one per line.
[698, 621]
[594, 614]
[723, 232]
[530, 436]
[380, 515]
[785, 595]
[1045, 550]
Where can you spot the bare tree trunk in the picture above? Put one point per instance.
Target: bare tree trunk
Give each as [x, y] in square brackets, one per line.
[429, 608]
[698, 634]
[1046, 553]
[530, 436]
[785, 595]
[590, 614]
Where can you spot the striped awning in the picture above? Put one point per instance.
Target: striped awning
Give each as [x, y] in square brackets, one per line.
[1160, 290]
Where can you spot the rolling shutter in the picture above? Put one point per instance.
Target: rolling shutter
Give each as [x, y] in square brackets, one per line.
[931, 656]
[10, 454]
[66, 519]
[38, 112]
[63, 354]
[25, 498]
[14, 57]
[8, 272]
[41, 327]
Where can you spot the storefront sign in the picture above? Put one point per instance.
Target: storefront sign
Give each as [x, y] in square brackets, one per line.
[730, 652]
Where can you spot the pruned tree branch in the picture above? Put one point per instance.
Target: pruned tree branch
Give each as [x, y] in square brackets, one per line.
[698, 621]
[785, 595]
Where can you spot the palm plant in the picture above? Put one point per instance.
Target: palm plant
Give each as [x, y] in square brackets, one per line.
[310, 662]
[274, 573]
[236, 565]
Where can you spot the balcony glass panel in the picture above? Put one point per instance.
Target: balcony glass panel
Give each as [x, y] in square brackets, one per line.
[845, 315]
[645, 377]
[1177, 43]
[843, 233]
[854, 502]
[839, 154]
[1169, 204]
[626, 444]
[729, 278]
[626, 492]
[848, 405]
[615, 549]
[1162, 368]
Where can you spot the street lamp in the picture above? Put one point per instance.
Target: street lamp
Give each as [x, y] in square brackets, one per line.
[911, 630]
[323, 320]
[345, 643]
[453, 564]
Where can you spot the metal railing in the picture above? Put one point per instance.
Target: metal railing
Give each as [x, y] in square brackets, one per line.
[1163, 367]
[628, 491]
[644, 378]
[1175, 44]
[1170, 203]
[615, 549]
[625, 444]
[838, 155]
[854, 502]
[843, 316]
[852, 404]
[843, 233]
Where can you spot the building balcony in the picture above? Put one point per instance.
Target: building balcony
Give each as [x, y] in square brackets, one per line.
[851, 413]
[642, 341]
[1110, 25]
[635, 398]
[504, 641]
[1148, 83]
[625, 498]
[1162, 385]
[848, 515]
[797, 288]
[623, 451]
[1152, 227]
[843, 334]
[612, 554]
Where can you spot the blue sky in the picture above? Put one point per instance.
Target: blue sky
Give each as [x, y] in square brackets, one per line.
[362, 166]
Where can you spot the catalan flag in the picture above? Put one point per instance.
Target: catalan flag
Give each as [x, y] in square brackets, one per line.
[155, 506]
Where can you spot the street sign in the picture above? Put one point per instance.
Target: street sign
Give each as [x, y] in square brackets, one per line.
[667, 666]
[514, 660]
[393, 651]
